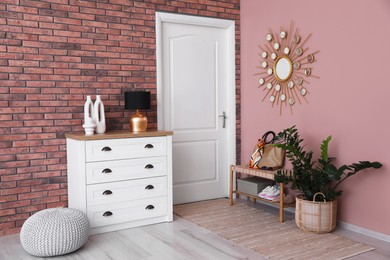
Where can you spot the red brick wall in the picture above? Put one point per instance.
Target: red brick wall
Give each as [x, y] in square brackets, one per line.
[52, 54]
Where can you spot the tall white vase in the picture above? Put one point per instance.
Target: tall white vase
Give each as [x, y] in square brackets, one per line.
[89, 125]
[88, 108]
[98, 115]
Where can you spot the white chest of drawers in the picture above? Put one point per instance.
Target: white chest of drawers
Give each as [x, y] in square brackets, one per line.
[121, 180]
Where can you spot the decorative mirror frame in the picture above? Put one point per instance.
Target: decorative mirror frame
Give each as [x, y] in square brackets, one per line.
[287, 45]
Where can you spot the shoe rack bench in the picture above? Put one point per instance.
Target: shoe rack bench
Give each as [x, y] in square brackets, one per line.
[258, 173]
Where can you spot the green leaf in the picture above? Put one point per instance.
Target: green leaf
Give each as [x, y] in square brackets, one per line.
[343, 168]
[376, 165]
[324, 148]
[332, 172]
[282, 176]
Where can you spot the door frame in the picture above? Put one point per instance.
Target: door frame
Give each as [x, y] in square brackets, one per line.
[229, 26]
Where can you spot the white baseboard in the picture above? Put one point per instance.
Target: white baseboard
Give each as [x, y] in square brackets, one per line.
[364, 231]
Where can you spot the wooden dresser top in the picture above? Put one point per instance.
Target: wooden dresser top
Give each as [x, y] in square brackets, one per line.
[116, 134]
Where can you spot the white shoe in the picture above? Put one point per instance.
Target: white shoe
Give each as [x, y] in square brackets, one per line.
[273, 193]
[265, 191]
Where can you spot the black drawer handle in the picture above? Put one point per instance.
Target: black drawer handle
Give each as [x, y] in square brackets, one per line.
[149, 207]
[149, 187]
[106, 149]
[107, 214]
[107, 170]
[149, 146]
[149, 166]
[107, 192]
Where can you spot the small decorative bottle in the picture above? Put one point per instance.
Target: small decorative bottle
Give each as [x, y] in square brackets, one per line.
[98, 115]
[89, 125]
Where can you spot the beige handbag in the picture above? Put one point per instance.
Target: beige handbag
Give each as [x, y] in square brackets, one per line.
[266, 156]
[272, 159]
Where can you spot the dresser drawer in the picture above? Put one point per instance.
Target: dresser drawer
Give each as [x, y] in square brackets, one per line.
[108, 171]
[105, 150]
[121, 212]
[107, 193]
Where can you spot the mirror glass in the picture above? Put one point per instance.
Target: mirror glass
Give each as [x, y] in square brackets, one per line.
[283, 69]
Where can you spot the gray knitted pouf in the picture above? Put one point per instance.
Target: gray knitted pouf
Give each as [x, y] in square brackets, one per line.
[52, 232]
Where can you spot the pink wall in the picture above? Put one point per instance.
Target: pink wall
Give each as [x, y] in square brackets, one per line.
[351, 100]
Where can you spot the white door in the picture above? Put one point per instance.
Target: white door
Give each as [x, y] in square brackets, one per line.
[196, 89]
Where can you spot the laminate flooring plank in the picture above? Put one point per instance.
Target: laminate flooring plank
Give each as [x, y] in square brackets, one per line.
[113, 245]
[164, 245]
[11, 248]
[156, 248]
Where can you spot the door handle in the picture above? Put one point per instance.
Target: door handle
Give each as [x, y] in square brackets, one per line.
[223, 118]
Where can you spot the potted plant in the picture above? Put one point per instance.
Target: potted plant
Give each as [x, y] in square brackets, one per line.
[317, 180]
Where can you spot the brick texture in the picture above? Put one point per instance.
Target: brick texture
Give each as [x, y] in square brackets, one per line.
[53, 53]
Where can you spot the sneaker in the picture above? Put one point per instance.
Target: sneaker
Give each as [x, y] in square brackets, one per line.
[272, 194]
[272, 189]
[264, 191]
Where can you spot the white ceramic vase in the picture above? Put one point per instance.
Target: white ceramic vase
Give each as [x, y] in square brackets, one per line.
[89, 125]
[98, 116]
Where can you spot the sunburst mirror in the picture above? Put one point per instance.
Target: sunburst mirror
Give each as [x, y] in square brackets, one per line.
[286, 66]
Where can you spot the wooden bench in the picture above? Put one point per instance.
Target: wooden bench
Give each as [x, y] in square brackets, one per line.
[259, 173]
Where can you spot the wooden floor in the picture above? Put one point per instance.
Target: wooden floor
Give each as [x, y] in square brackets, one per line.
[180, 239]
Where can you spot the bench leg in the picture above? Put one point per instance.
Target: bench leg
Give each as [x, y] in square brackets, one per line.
[281, 202]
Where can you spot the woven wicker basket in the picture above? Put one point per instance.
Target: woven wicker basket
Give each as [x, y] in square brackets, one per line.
[316, 217]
